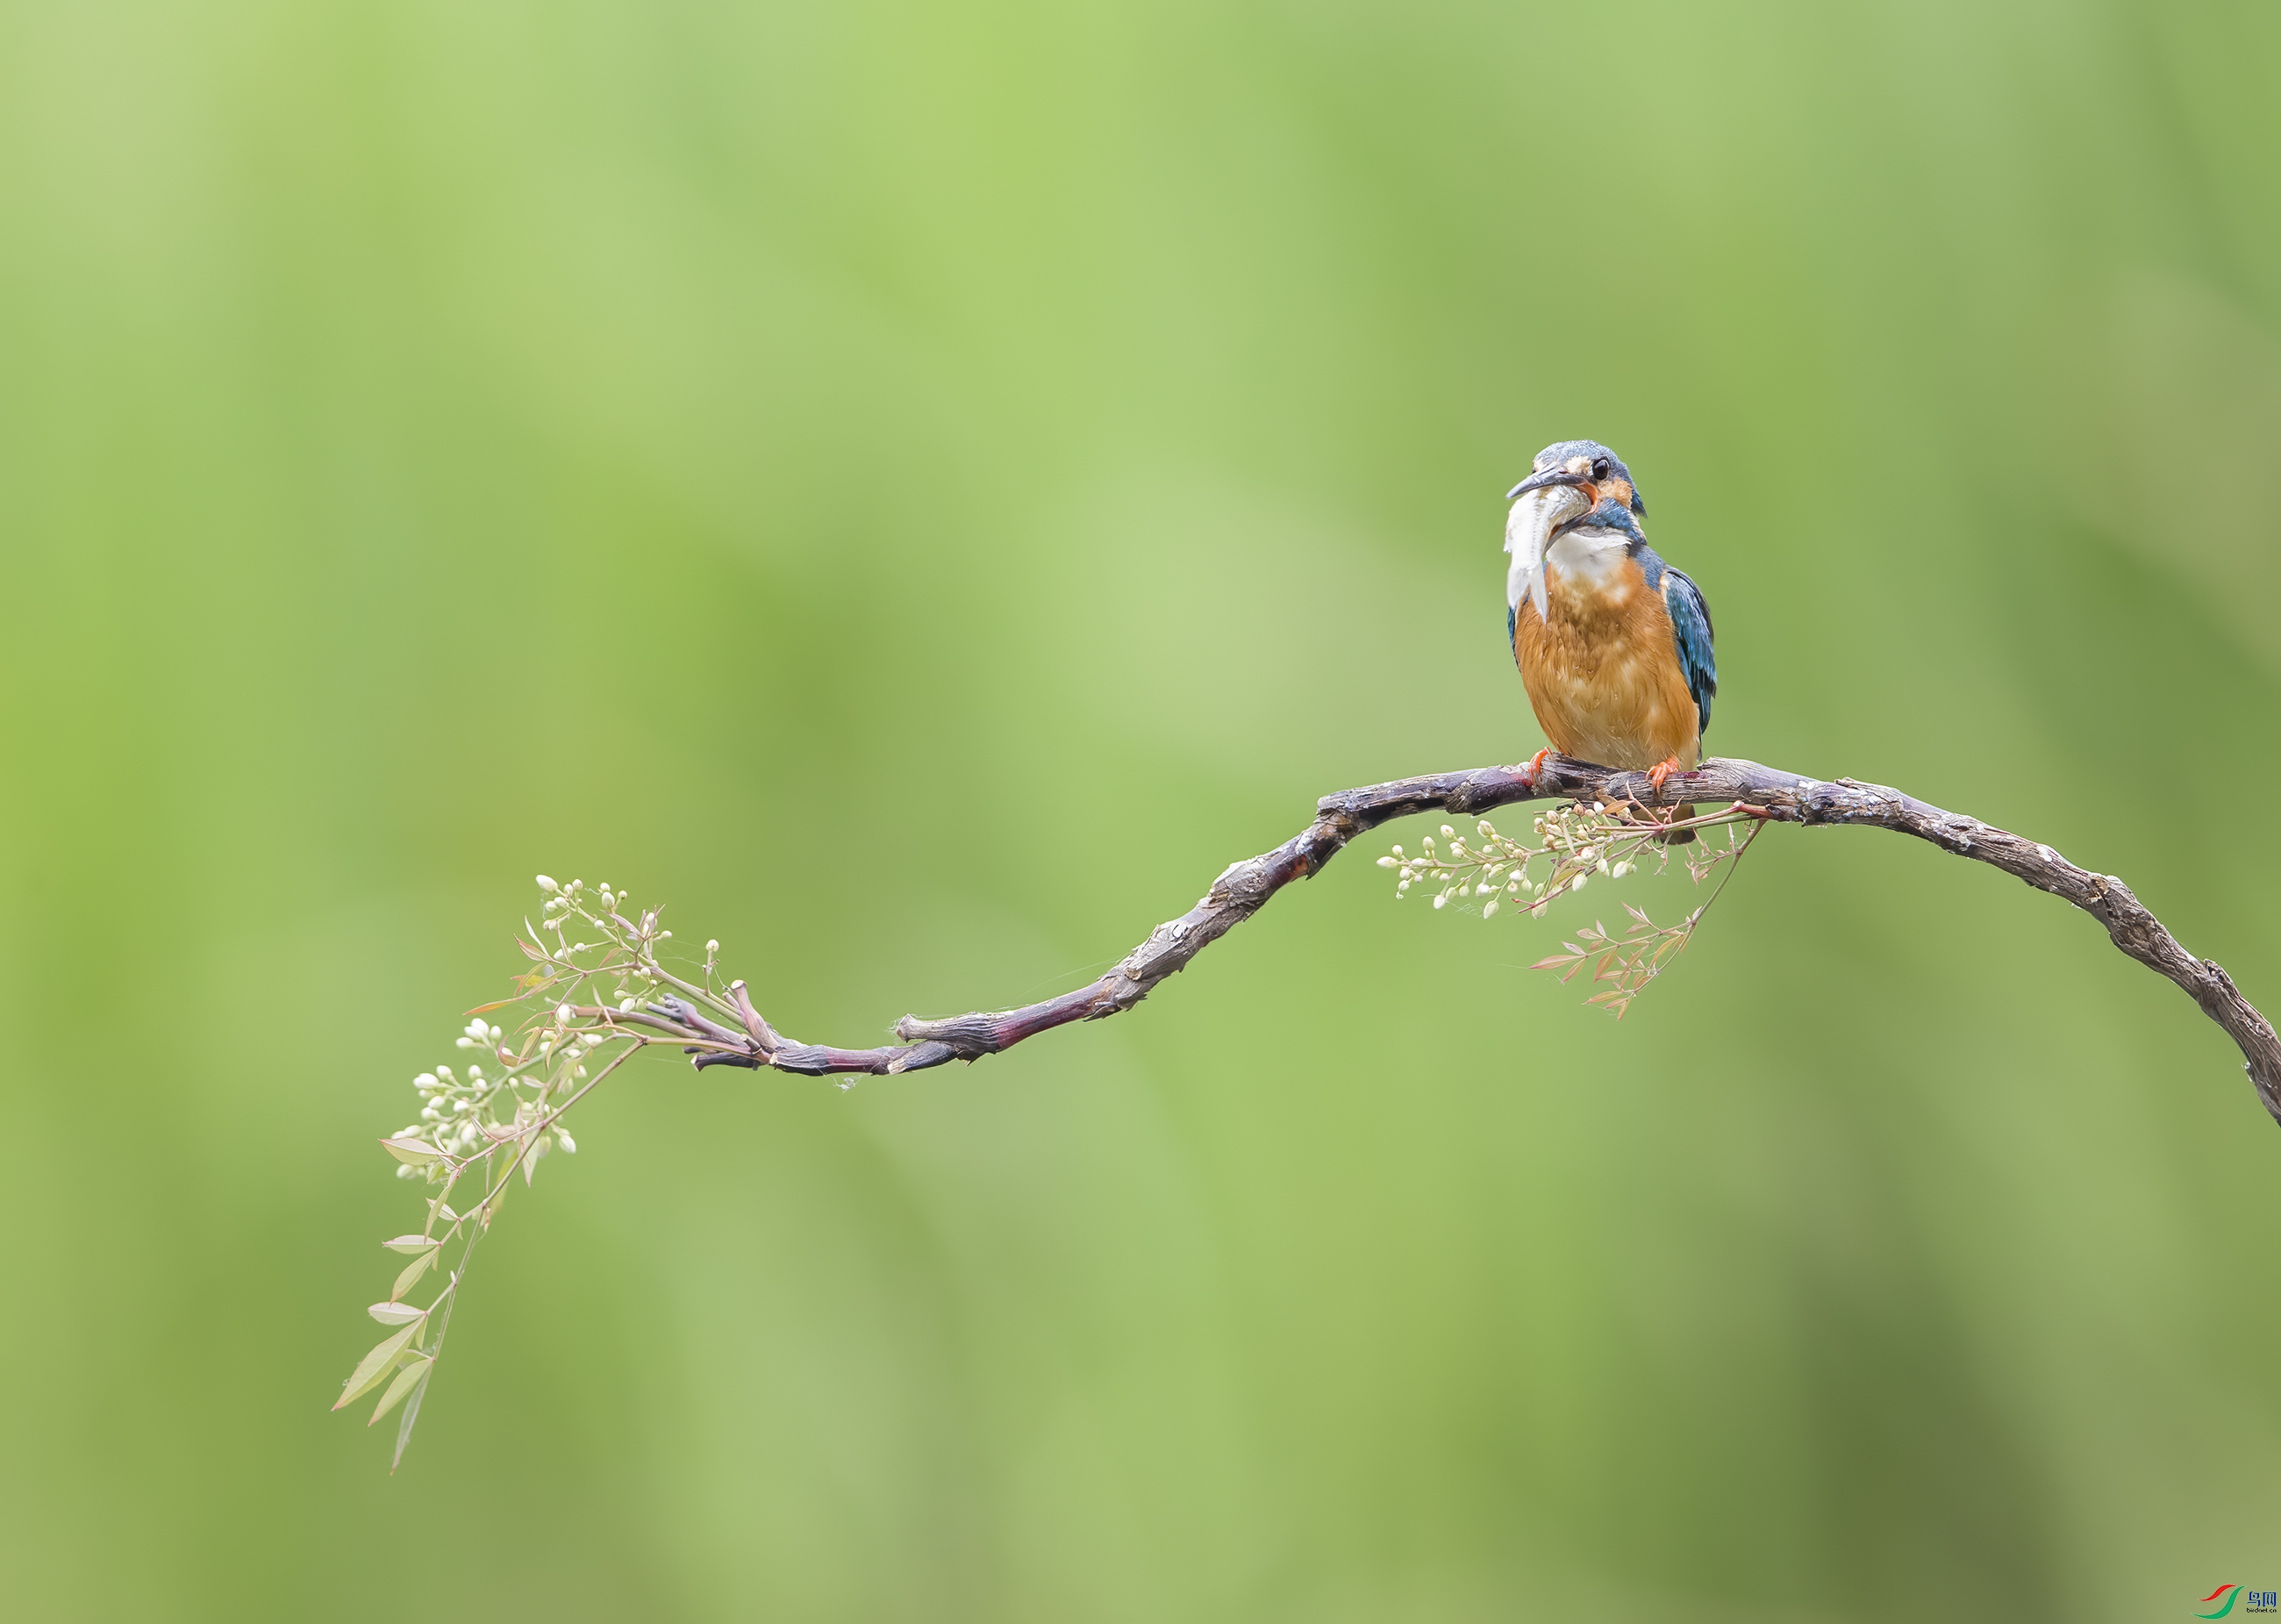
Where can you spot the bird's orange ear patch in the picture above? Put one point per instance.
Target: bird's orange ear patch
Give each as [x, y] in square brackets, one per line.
[1618, 487]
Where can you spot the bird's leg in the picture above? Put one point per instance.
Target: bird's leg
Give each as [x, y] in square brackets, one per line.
[1535, 765]
[1656, 777]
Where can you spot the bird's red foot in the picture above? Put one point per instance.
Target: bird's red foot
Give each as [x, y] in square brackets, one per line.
[1662, 770]
[1536, 764]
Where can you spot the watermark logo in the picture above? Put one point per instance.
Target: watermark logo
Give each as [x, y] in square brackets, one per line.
[2220, 1601]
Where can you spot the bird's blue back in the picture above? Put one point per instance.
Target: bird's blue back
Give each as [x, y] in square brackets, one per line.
[1691, 630]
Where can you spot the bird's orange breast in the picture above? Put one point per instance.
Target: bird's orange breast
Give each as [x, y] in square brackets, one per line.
[1603, 672]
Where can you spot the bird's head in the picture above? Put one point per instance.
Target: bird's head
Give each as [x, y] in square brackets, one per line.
[1575, 485]
[1586, 467]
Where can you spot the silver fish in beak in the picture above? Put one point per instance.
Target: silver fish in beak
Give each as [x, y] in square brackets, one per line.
[1543, 504]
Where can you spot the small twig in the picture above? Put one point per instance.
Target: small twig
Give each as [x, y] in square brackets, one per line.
[763, 1035]
[1762, 792]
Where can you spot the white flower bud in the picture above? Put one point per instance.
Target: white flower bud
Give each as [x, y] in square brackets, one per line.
[1386, 862]
[1488, 909]
[625, 1006]
[564, 1014]
[665, 936]
[424, 1081]
[1619, 870]
[1403, 886]
[1398, 851]
[1442, 898]
[711, 946]
[1579, 885]
[465, 1042]
[546, 883]
[569, 1145]
[1447, 831]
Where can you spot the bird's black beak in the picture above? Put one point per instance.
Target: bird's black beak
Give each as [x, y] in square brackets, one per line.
[1539, 482]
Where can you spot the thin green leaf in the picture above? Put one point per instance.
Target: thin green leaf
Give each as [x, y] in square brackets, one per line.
[374, 1366]
[412, 1271]
[412, 1243]
[414, 1152]
[411, 1414]
[407, 1379]
[396, 1313]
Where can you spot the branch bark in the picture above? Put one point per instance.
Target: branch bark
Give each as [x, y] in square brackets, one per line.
[1246, 887]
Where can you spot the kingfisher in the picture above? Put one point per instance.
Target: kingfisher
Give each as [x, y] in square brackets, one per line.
[1614, 644]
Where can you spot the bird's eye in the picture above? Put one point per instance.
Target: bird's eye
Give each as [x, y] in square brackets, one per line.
[1599, 468]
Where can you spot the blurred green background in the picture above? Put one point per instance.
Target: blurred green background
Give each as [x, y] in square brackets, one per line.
[919, 489]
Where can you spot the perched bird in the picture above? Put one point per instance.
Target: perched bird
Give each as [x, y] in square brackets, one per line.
[1614, 644]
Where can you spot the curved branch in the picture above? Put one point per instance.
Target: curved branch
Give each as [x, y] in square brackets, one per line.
[1246, 887]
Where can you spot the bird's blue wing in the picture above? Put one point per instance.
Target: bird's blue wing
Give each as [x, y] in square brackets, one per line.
[1690, 632]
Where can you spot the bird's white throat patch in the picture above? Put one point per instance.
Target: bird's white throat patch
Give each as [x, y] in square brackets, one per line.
[1589, 560]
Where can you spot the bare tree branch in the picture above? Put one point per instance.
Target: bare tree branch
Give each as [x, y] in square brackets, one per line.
[1246, 886]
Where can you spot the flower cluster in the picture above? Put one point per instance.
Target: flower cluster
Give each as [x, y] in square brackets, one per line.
[1574, 843]
[498, 1115]
[1570, 845]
